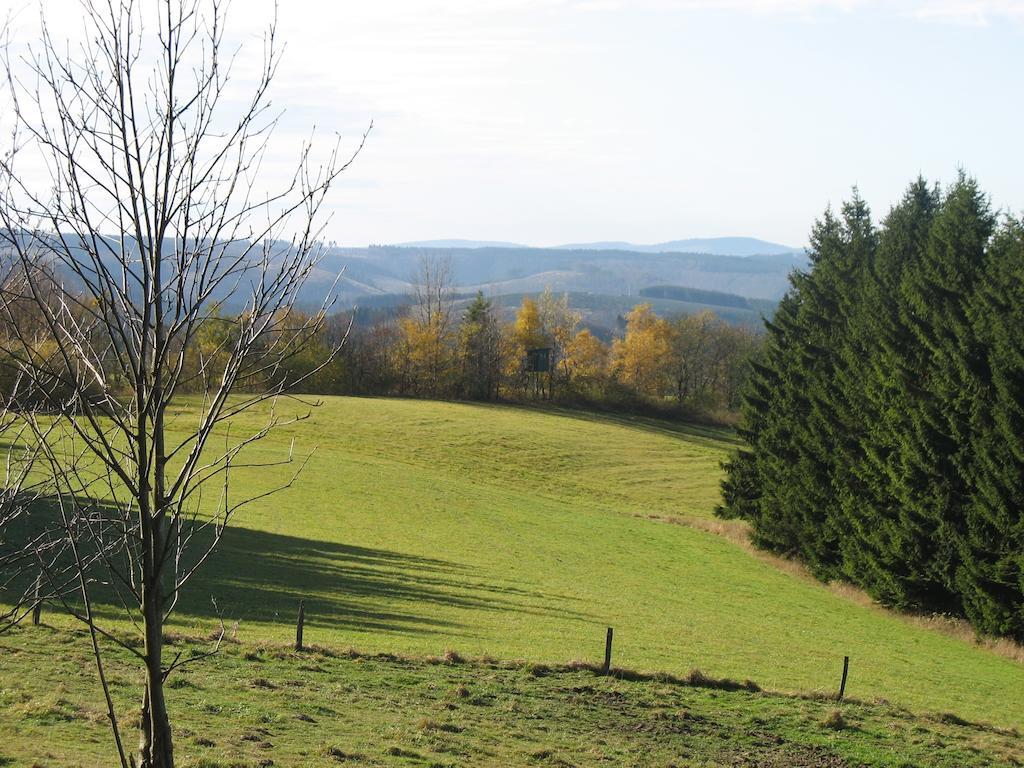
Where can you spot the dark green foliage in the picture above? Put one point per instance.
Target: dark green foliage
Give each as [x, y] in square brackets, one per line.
[479, 350]
[991, 575]
[885, 416]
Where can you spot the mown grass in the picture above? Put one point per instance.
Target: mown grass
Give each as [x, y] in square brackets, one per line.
[261, 706]
[501, 531]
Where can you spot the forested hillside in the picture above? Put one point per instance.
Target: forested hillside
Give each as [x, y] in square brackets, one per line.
[438, 347]
[498, 270]
[885, 415]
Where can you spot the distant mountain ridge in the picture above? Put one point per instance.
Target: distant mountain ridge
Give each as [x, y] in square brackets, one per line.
[388, 269]
[714, 246]
[458, 243]
[603, 282]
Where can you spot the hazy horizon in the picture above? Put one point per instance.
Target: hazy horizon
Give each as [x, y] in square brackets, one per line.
[562, 121]
[481, 243]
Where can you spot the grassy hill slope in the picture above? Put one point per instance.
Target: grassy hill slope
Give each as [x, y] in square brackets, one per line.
[262, 706]
[419, 527]
[422, 526]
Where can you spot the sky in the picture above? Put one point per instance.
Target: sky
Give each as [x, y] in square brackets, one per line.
[556, 121]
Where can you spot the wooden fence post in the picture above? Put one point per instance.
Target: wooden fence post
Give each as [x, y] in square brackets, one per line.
[298, 625]
[37, 605]
[607, 652]
[842, 685]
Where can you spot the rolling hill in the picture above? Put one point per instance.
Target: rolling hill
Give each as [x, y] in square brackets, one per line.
[382, 275]
[718, 246]
[420, 526]
[714, 246]
[608, 271]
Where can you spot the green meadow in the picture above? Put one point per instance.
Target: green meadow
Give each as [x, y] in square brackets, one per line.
[262, 706]
[418, 528]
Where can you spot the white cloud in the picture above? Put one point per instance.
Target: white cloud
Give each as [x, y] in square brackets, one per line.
[970, 12]
[974, 12]
[551, 120]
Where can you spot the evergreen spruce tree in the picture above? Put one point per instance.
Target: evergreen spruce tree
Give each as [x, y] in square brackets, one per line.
[884, 418]
[479, 345]
[839, 416]
[881, 542]
[990, 578]
[784, 485]
[934, 452]
[769, 410]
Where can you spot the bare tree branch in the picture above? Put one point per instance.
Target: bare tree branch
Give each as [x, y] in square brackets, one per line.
[114, 266]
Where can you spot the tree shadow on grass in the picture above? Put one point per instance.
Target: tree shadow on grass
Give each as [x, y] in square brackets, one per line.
[260, 577]
[707, 435]
[704, 434]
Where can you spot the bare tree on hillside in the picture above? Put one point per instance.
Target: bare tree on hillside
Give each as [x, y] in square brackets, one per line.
[145, 220]
[428, 331]
[432, 292]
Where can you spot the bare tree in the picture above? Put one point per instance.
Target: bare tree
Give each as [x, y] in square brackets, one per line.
[145, 221]
[432, 292]
[428, 330]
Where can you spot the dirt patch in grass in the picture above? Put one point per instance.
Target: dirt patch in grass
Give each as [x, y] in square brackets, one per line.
[788, 756]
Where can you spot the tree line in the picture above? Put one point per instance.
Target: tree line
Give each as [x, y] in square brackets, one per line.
[431, 347]
[884, 416]
[437, 349]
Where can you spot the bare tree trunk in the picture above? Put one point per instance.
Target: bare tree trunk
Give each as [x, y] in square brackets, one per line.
[155, 746]
[145, 220]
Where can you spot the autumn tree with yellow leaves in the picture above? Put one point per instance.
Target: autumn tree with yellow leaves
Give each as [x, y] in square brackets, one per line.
[427, 333]
[547, 323]
[584, 363]
[640, 357]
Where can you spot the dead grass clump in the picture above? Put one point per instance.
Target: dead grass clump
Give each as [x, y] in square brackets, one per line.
[834, 721]
[50, 709]
[634, 676]
[320, 650]
[948, 718]
[449, 657]
[695, 678]
[398, 658]
[342, 756]
[217, 637]
[399, 752]
[698, 679]
[962, 630]
[427, 724]
[734, 530]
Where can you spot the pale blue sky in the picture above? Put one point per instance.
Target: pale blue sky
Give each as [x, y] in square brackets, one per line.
[564, 121]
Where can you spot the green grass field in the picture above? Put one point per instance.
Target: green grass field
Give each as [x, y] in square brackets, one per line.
[256, 707]
[418, 527]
